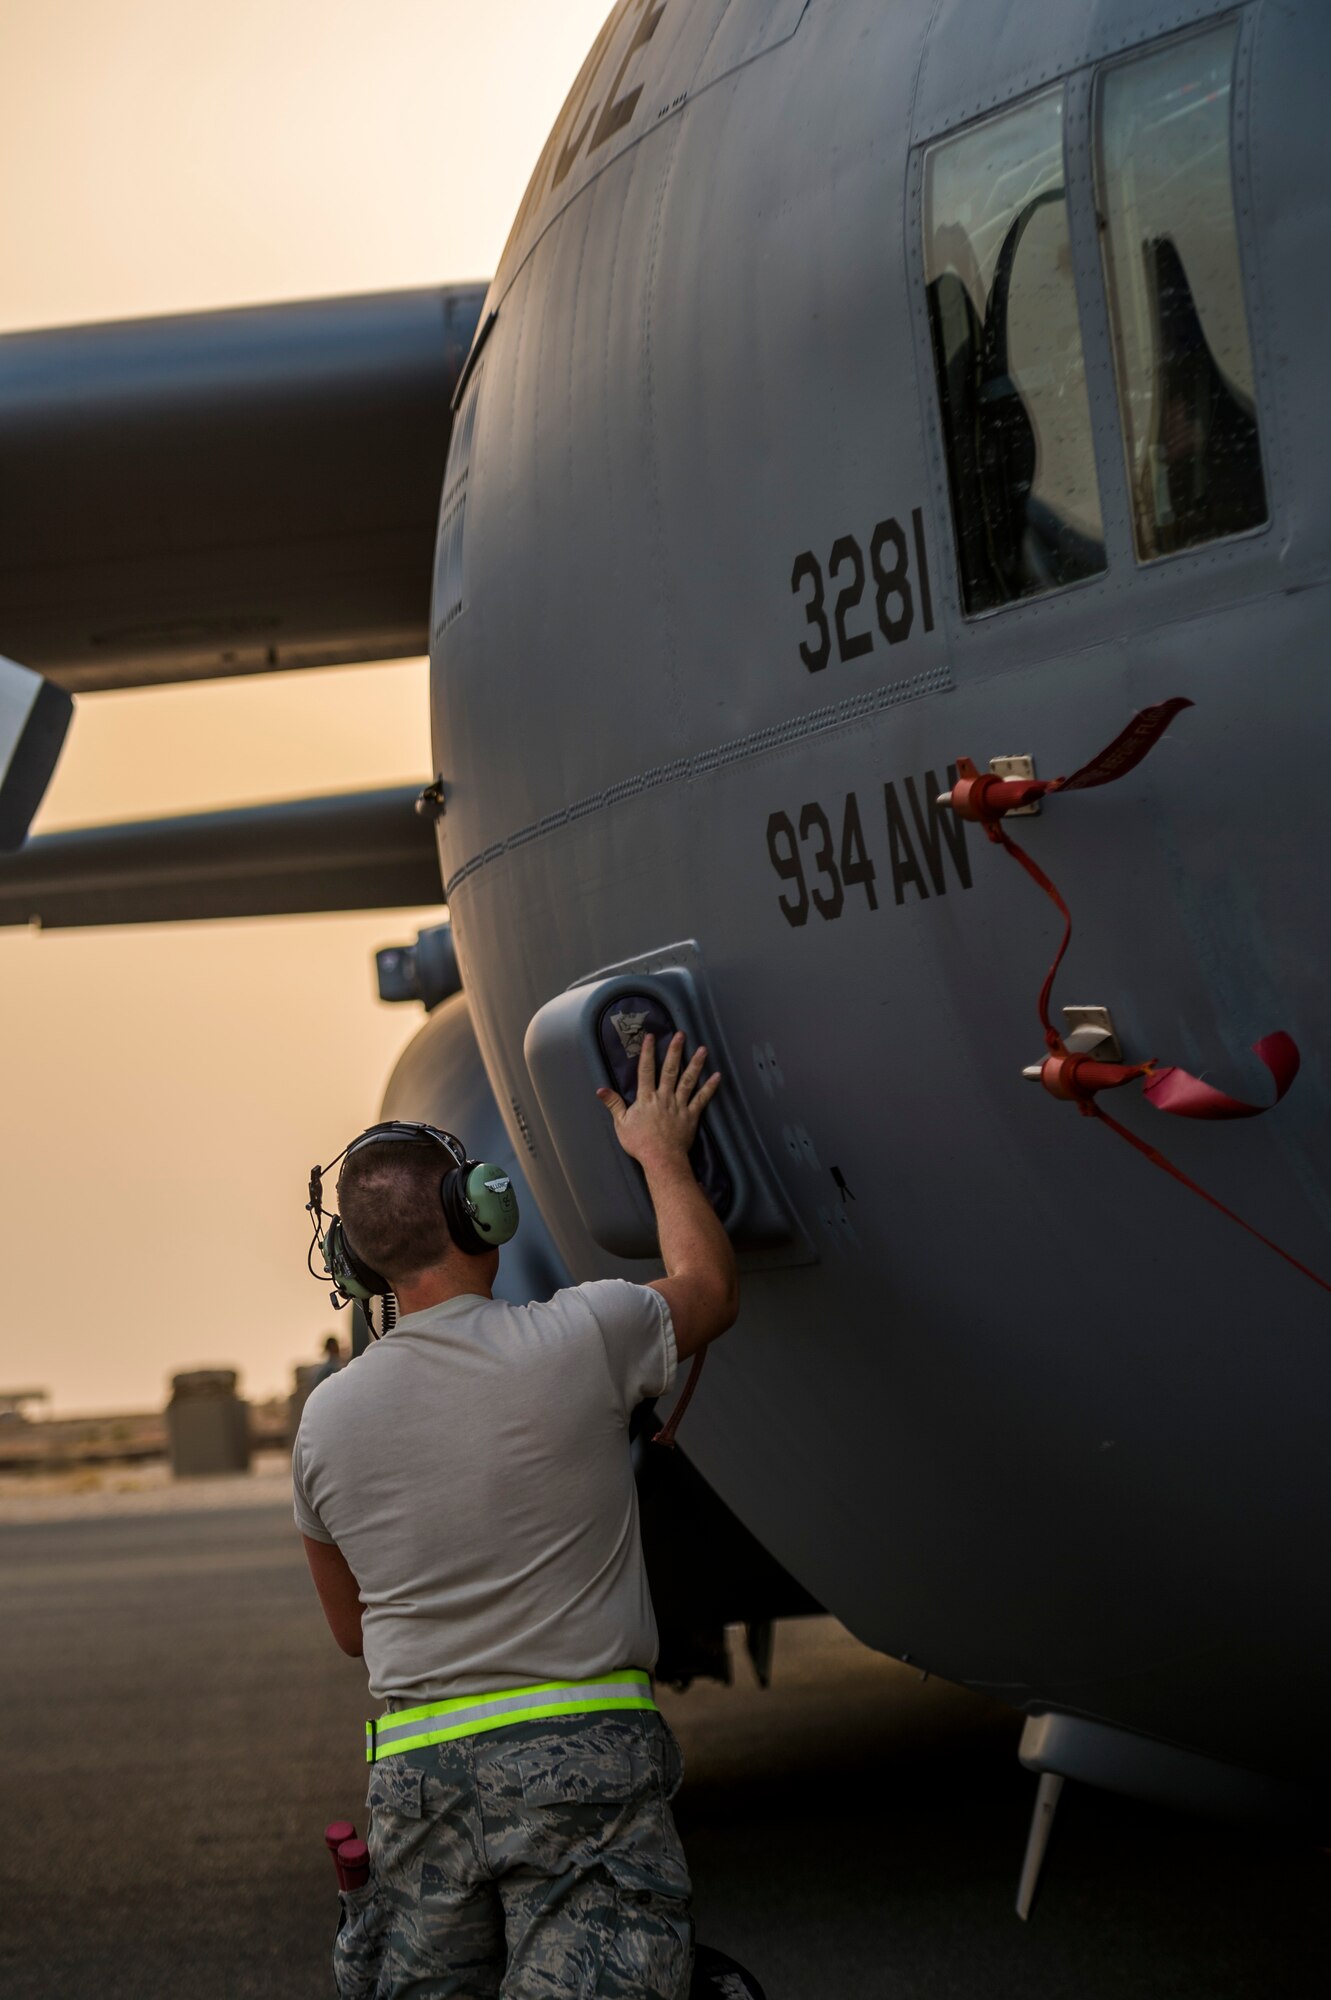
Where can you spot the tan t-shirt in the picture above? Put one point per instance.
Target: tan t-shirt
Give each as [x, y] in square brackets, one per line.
[473, 1468]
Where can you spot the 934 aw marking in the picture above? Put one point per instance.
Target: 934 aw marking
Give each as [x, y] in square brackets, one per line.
[925, 844]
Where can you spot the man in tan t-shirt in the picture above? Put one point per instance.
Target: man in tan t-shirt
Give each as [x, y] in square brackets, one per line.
[467, 1504]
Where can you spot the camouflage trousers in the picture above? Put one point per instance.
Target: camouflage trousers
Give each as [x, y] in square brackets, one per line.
[539, 1862]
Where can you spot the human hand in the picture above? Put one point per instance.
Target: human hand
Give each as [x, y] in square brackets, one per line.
[661, 1124]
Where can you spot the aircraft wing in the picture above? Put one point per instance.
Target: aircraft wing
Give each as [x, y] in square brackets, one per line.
[226, 493]
[361, 851]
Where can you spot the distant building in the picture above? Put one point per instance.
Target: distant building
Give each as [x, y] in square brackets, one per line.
[14, 1403]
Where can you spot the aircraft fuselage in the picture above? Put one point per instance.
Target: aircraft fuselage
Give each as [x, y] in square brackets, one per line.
[729, 575]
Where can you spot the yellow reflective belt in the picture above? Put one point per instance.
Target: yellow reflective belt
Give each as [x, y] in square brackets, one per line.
[470, 1714]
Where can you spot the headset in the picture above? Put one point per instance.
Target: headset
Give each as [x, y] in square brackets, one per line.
[477, 1198]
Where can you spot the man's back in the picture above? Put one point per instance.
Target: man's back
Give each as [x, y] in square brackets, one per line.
[471, 1526]
[473, 1468]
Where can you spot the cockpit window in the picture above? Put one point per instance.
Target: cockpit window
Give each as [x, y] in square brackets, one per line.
[1008, 358]
[1180, 333]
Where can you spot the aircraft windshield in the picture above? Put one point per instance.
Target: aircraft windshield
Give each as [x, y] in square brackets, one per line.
[1008, 358]
[1181, 348]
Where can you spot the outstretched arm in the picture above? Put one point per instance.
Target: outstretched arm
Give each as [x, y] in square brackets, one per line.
[701, 1284]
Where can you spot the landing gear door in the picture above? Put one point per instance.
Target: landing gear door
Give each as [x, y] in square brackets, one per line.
[591, 1036]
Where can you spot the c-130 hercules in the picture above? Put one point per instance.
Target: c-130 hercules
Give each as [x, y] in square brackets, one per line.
[862, 389]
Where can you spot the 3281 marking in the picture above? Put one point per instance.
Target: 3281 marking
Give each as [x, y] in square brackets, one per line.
[894, 594]
[925, 845]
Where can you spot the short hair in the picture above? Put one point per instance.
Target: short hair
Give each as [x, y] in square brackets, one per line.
[389, 1201]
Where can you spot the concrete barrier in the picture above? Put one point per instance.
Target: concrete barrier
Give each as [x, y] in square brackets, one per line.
[207, 1425]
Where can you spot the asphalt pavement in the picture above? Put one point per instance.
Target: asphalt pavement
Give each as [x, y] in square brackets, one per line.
[178, 1727]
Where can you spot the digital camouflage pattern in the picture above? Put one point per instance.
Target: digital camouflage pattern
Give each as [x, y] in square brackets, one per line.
[537, 1863]
[358, 1946]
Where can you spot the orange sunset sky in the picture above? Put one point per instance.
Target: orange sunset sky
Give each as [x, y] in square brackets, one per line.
[167, 1087]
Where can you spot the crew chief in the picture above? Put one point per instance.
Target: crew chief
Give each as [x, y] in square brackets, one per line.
[467, 1504]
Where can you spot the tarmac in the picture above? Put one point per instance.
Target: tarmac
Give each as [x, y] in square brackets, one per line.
[179, 1726]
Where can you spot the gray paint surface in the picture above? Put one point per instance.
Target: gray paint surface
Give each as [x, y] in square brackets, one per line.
[353, 851]
[224, 493]
[34, 720]
[1038, 1418]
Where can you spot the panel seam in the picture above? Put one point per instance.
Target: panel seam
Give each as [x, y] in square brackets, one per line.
[739, 749]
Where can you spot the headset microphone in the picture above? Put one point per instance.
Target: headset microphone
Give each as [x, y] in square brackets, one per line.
[477, 1197]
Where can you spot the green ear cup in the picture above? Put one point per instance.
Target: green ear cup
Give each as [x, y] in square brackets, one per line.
[491, 1203]
[345, 1268]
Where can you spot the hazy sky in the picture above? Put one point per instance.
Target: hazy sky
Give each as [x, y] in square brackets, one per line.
[167, 1087]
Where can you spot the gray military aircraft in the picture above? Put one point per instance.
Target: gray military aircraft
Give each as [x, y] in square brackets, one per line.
[862, 390]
